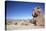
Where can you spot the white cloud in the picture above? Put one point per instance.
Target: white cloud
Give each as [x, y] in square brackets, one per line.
[28, 17]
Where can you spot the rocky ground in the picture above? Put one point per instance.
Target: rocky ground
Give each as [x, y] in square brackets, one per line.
[20, 25]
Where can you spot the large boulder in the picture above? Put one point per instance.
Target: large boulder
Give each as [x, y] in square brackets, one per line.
[40, 20]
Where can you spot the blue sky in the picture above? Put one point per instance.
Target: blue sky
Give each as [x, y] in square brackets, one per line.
[21, 10]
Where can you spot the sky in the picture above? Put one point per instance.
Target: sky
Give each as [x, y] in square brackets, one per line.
[21, 10]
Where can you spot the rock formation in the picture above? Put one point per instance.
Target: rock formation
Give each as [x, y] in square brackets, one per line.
[38, 17]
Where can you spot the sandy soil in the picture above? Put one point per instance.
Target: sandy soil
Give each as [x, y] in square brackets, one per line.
[16, 27]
